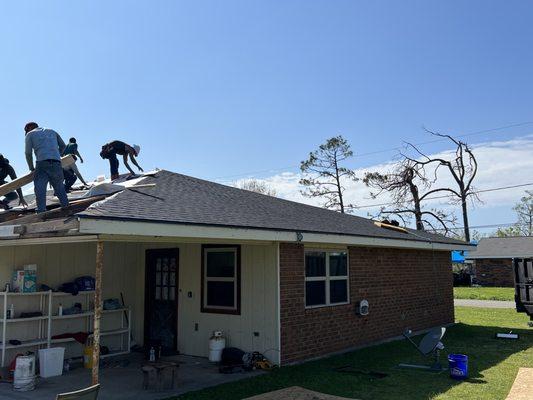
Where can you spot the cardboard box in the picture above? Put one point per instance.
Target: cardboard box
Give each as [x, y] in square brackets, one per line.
[25, 281]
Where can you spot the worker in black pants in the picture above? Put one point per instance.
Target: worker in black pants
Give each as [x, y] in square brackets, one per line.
[7, 170]
[110, 151]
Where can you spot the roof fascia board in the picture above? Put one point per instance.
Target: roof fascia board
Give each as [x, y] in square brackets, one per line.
[136, 228]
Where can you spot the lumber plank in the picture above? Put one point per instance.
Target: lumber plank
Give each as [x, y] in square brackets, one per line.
[28, 178]
[74, 207]
[56, 225]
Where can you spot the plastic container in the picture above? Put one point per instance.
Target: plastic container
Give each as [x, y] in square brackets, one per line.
[217, 343]
[51, 361]
[88, 357]
[24, 377]
[458, 366]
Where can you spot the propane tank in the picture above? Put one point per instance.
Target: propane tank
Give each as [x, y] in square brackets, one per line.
[217, 343]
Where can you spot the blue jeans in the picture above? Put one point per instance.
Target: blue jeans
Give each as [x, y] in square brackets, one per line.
[49, 171]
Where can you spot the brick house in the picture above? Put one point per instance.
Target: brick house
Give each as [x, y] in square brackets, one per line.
[493, 259]
[192, 256]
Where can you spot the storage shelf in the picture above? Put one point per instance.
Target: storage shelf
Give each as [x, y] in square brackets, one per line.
[23, 294]
[102, 333]
[59, 294]
[11, 320]
[86, 314]
[27, 343]
[46, 306]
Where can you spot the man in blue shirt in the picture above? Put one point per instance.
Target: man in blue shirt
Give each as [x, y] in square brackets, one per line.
[47, 146]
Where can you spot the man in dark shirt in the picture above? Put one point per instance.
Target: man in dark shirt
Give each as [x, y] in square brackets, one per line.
[7, 170]
[110, 151]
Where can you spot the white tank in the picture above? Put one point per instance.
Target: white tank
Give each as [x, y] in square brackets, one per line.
[217, 343]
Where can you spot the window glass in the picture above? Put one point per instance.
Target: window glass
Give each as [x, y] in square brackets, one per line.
[338, 264]
[338, 291]
[220, 294]
[315, 264]
[220, 264]
[315, 293]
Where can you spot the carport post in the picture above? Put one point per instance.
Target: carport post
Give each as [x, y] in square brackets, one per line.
[97, 309]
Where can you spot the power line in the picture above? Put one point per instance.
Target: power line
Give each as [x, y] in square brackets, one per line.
[479, 226]
[475, 133]
[449, 195]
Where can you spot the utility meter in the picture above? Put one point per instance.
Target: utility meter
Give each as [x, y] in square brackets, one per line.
[362, 307]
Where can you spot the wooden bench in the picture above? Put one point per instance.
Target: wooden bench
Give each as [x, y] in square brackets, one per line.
[158, 369]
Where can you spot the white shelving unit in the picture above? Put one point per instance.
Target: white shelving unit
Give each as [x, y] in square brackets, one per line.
[44, 323]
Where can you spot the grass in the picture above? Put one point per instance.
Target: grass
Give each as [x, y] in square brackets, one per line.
[484, 293]
[493, 365]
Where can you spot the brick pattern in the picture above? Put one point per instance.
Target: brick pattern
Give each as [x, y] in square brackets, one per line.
[405, 289]
[494, 272]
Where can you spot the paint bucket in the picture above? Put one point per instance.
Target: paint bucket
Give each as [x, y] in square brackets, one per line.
[24, 379]
[88, 357]
[458, 366]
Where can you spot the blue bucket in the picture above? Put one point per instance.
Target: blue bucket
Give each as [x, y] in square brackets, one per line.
[458, 366]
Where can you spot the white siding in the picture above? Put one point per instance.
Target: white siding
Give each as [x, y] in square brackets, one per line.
[124, 271]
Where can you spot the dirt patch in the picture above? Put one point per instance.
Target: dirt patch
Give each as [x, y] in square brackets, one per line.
[295, 393]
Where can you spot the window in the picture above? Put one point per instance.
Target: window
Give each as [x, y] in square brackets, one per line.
[221, 279]
[326, 278]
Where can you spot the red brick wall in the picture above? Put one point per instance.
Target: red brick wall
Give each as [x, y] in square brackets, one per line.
[495, 272]
[405, 289]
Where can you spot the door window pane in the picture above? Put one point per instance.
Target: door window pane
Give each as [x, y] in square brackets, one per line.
[338, 264]
[338, 291]
[315, 264]
[315, 293]
[220, 264]
[220, 294]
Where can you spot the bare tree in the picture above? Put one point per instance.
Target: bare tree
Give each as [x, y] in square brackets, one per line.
[409, 187]
[254, 185]
[463, 169]
[324, 175]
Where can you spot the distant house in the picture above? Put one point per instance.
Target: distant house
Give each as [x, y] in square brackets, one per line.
[191, 257]
[493, 259]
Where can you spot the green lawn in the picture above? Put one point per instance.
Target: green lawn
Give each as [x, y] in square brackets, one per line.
[493, 366]
[484, 293]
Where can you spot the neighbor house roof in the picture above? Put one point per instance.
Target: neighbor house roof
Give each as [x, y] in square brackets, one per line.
[506, 247]
[181, 199]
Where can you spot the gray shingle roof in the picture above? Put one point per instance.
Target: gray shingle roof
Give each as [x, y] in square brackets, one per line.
[183, 199]
[509, 247]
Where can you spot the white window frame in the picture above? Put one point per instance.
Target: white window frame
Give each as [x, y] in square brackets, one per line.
[221, 279]
[328, 278]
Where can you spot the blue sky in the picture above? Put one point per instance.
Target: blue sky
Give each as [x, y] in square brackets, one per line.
[219, 89]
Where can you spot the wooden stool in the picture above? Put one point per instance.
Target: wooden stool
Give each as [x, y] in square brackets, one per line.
[158, 369]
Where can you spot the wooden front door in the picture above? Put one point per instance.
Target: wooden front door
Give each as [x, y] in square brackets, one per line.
[161, 300]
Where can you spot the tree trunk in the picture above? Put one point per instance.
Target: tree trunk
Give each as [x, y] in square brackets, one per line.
[465, 218]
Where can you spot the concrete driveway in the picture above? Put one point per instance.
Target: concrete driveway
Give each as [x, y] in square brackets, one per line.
[484, 303]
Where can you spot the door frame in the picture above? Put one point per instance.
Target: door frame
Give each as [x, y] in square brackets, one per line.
[148, 257]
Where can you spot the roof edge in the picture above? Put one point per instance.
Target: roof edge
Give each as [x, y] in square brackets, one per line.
[115, 226]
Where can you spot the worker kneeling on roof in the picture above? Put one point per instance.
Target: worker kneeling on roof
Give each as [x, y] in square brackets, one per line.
[110, 151]
[7, 170]
[47, 145]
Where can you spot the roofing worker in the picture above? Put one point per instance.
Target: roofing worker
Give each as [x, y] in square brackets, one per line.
[7, 170]
[47, 145]
[110, 151]
[71, 174]
[72, 148]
